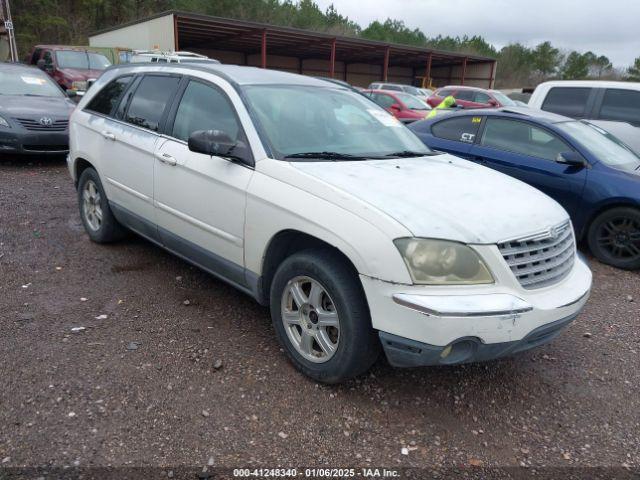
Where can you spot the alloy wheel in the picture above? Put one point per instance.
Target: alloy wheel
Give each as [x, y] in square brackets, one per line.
[310, 319]
[620, 238]
[91, 206]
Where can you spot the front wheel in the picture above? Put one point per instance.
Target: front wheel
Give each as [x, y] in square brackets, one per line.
[614, 237]
[321, 317]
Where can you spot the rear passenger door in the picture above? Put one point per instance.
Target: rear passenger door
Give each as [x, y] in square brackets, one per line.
[201, 199]
[455, 135]
[528, 152]
[620, 105]
[130, 141]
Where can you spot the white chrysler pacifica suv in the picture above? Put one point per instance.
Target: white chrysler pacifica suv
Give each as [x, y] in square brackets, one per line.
[318, 203]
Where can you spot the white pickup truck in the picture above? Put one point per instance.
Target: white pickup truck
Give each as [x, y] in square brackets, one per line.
[321, 205]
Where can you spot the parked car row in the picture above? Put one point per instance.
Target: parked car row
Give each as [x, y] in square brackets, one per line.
[451, 241]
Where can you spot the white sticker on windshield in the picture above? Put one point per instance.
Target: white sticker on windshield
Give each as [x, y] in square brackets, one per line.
[33, 80]
[384, 118]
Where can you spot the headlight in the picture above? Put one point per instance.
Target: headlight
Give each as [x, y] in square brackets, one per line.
[80, 86]
[4, 123]
[440, 262]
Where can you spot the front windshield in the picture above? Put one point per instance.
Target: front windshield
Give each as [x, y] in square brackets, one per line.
[301, 119]
[81, 60]
[34, 83]
[503, 99]
[602, 144]
[412, 102]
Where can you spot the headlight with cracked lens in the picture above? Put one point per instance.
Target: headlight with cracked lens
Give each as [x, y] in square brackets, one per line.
[4, 123]
[441, 262]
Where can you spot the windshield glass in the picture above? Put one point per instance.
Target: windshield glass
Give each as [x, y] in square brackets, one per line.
[411, 90]
[299, 119]
[503, 99]
[23, 82]
[412, 102]
[603, 145]
[81, 60]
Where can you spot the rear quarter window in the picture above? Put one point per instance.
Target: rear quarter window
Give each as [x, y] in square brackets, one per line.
[106, 99]
[568, 101]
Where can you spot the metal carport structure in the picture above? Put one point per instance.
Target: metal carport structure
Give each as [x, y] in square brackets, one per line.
[356, 60]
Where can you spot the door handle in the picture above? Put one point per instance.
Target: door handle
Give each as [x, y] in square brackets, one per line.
[166, 159]
[108, 135]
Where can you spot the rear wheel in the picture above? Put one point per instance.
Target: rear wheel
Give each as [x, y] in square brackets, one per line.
[97, 218]
[614, 237]
[321, 317]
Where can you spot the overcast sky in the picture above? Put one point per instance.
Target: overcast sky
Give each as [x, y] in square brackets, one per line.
[609, 27]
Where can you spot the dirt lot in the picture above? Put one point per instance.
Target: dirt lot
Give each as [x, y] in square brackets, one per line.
[176, 368]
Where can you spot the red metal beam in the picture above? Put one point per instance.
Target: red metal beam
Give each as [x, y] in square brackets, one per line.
[175, 34]
[332, 67]
[385, 66]
[263, 49]
[464, 70]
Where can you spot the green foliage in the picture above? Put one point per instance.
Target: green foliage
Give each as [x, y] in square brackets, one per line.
[546, 59]
[633, 71]
[576, 66]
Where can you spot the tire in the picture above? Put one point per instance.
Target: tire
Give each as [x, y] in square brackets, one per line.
[614, 237]
[355, 344]
[97, 217]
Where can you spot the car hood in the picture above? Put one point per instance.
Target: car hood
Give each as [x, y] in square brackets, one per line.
[80, 74]
[27, 106]
[443, 197]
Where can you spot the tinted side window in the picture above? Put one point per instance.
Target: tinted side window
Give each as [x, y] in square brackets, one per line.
[107, 98]
[621, 105]
[459, 129]
[150, 100]
[48, 58]
[204, 108]
[444, 93]
[394, 88]
[467, 95]
[568, 101]
[481, 97]
[523, 138]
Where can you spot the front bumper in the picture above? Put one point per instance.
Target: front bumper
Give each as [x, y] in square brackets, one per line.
[403, 352]
[428, 325]
[26, 142]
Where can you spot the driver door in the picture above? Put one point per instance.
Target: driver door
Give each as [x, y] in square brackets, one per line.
[200, 199]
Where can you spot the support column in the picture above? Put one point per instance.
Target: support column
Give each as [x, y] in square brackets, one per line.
[464, 70]
[332, 66]
[176, 45]
[263, 50]
[427, 72]
[385, 66]
[492, 79]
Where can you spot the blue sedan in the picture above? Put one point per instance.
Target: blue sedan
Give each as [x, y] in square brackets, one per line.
[593, 175]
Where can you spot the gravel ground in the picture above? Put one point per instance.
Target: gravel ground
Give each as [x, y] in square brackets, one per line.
[174, 368]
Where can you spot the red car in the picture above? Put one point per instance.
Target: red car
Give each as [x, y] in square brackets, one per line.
[70, 67]
[403, 106]
[471, 97]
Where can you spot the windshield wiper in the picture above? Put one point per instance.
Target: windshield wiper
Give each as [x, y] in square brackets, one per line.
[410, 153]
[326, 156]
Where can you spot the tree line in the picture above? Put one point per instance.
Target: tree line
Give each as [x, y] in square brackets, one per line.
[71, 21]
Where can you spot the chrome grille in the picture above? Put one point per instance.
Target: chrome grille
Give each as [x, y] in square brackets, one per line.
[36, 126]
[541, 260]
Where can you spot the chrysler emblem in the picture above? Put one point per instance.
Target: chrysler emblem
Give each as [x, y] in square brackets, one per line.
[45, 121]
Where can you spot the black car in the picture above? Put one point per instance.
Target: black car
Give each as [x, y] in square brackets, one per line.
[34, 112]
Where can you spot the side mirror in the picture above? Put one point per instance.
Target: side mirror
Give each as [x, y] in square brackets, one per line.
[219, 143]
[71, 93]
[573, 159]
[493, 103]
[396, 106]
